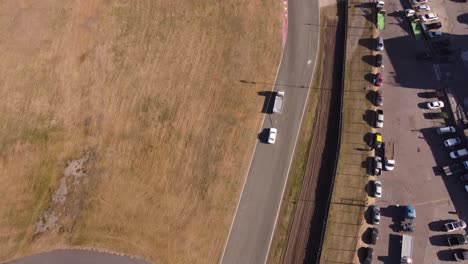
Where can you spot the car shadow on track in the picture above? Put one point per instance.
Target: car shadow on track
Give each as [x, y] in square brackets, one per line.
[268, 102]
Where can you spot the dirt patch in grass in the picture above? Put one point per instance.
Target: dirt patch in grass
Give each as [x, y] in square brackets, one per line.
[151, 91]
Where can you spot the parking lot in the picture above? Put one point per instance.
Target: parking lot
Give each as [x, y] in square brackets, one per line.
[418, 179]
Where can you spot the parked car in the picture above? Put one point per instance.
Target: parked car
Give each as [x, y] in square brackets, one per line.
[423, 8]
[434, 34]
[272, 135]
[435, 105]
[377, 166]
[379, 44]
[457, 240]
[452, 142]
[380, 118]
[379, 98]
[374, 235]
[377, 189]
[429, 17]
[389, 164]
[375, 214]
[409, 12]
[446, 130]
[432, 26]
[458, 153]
[378, 79]
[378, 60]
[368, 255]
[379, 5]
[377, 140]
[455, 225]
[417, 2]
[461, 255]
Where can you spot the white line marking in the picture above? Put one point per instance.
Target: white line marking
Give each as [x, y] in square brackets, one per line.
[437, 71]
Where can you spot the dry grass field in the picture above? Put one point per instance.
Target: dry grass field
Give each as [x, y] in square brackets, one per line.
[124, 124]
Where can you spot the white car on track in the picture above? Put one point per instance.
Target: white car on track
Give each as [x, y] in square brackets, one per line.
[272, 135]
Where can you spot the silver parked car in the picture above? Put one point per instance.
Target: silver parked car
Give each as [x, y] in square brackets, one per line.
[452, 142]
[458, 153]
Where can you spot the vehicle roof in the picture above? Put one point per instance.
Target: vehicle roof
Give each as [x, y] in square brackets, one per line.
[410, 212]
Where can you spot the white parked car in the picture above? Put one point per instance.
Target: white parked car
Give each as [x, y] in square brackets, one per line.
[409, 12]
[272, 135]
[435, 105]
[446, 130]
[455, 225]
[429, 17]
[452, 142]
[423, 8]
[458, 153]
[389, 164]
[377, 192]
[380, 119]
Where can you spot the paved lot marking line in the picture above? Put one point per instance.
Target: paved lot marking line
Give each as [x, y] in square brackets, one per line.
[437, 71]
[434, 201]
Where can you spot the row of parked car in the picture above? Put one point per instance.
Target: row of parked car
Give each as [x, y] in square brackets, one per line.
[430, 25]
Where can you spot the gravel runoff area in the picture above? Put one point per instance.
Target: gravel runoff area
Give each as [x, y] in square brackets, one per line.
[419, 151]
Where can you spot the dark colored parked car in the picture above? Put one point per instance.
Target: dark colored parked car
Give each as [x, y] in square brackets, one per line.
[378, 60]
[435, 25]
[379, 98]
[374, 235]
[457, 240]
[461, 255]
[369, 255]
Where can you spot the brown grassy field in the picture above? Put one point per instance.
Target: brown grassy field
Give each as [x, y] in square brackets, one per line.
[124, 124]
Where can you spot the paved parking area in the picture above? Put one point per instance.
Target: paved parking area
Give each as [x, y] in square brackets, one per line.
[419, 152]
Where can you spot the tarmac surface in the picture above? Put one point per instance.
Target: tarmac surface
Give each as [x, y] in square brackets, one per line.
[255, 219]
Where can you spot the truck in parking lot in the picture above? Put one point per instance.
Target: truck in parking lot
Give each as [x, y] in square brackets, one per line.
[455, 225]
[406, 249]
[279, 102]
